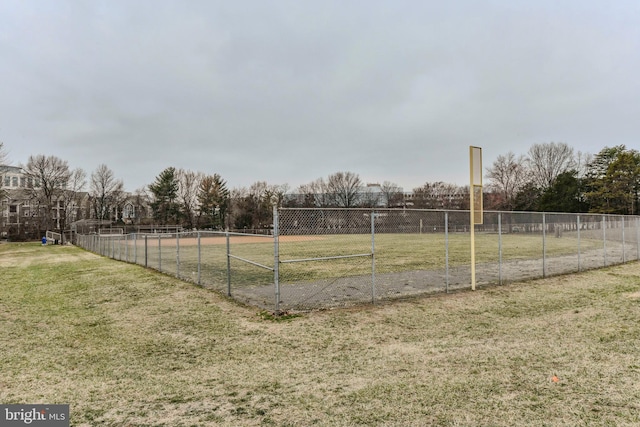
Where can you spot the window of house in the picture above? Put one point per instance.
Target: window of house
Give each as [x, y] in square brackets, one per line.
[23, 181]
[129, 211]
[7, 181]
[14, 181]
[13, 208]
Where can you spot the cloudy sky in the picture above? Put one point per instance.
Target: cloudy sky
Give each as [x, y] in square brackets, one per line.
[291, 91]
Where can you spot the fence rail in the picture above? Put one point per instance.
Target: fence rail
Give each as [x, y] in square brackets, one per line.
[320, 258]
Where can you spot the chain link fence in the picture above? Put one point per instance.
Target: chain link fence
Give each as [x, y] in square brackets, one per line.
[324, 258]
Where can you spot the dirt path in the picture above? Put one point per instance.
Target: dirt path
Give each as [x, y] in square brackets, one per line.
[344, 291]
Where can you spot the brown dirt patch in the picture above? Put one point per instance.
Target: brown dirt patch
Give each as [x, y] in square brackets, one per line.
[635, 295]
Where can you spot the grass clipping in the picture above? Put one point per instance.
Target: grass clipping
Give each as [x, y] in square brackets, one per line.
[126, 346]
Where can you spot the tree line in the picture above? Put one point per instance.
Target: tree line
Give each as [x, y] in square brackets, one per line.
[550, 177]
[553, 178]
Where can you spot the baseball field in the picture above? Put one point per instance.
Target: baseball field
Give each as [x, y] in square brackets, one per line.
[126, 346]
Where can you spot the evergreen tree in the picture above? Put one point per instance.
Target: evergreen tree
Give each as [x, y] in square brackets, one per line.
[213, 201]
[165, 208]
[613, 181]
[527, 198]
[564, 195]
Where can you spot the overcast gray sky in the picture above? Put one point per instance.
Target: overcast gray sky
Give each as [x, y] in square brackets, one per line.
[291, 91]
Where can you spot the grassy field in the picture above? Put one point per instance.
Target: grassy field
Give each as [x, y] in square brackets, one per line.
[394, 253]
[125, 346]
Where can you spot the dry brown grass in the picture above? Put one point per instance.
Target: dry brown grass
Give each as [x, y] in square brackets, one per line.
[129, 347]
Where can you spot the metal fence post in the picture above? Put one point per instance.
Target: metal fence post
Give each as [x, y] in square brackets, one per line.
[637, 238]
[146, 252]
[604, 239]
[373, 257]
[177, 254]
[199, 261]
[624, 258]
[159, 252]
[544, 245]
[276, 257]
[228, 262]
[578, 225]
[500, 248]
[446, 251]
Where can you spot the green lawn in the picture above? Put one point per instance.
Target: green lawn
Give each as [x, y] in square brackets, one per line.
[125, 346]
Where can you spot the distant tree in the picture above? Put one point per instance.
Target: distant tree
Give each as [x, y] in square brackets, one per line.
[345, 189]
[599, 165]
[164, 191]
[141, 203]
[564, 195]
[527, 198]
[3, 164]
[242, 209]
[392, 193]
[276, 194]
[47, 178]
[582, 163]
[72, 198]
[253, 206]
[507, 178]
[106, 193]
[314, 194]
[260, 195]
[547, 161]
[189, 183]
[213, 201]
[613, 181]
[3, 154]
[437, 195]
[371, 196]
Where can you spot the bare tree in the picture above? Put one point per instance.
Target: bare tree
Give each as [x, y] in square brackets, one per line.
[392, 193]
[371, 196]
[547, 161]
[188, 184]
[3, 157]
[106, 192]
[141, 204]
[46, 180]
[345, 189]
[3, 164]
[507, 176]
[72, 198]
[314, 194]
[253, 207]
[438, 195]
[582, 163]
